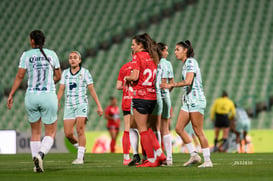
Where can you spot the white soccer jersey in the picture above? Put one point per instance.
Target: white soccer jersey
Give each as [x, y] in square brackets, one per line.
[76, 86]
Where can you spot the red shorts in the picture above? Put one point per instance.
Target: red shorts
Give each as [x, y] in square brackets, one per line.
[113, 124]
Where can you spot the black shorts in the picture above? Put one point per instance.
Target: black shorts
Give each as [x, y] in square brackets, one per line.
[144, 106]
[126, 113]
[222, 121]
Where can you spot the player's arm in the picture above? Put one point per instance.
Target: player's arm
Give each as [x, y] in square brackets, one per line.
[212, 111]
[133, 76]
[187, 82]
[57, 75]
[96, 99]
[17, 82]
[171, 80]
[119, 85]
[60, 92]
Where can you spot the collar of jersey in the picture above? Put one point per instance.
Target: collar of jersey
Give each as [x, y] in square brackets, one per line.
[76, 72]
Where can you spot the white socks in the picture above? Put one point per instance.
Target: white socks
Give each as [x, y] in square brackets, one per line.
[126, 156]
[167, 140]
[191, 149]
[133, 134]
[35, 147]
[158, 136]
[81, 151]
[76, 145]
[206, 154]
[46, 144]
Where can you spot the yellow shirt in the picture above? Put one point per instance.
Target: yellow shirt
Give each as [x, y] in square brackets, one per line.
[223, 105]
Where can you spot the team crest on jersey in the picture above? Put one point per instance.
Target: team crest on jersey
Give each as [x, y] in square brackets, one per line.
[80, 76]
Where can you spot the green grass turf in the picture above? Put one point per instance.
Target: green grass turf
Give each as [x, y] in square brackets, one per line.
[109, 167]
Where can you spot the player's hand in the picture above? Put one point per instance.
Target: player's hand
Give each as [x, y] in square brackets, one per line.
[9, 102]
[100, 111]
[165, 86]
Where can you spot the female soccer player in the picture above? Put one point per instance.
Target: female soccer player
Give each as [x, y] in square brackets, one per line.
[43, 69]
[194, 103]
[144, 66]
[129, 135]
[75, 81]
[164, 74]
[113, 121]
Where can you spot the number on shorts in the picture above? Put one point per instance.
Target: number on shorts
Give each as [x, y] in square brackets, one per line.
[150, 75]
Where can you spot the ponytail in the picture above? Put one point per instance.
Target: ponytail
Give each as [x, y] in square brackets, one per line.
[39, 39]
[187, 44]
[149, 46]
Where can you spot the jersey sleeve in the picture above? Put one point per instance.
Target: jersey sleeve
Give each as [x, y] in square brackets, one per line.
[190, 66]
[170, 71]
[164, 71]
[135, 62]
[88, 78]
[22, 63]
[63, 78]
[56, 61]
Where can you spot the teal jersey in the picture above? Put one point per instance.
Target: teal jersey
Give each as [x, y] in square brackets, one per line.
[76, 86]
[241, 116]
[164, 70]
[195, 91]
[40, 73]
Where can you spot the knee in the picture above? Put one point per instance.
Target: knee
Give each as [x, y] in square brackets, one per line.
[179, 130]
[69, 135]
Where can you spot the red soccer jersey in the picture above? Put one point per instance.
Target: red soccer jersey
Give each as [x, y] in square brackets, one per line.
[127, 91]
[114, 113]
[144, 88]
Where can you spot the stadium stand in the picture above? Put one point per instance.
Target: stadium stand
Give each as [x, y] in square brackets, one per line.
[232, 41]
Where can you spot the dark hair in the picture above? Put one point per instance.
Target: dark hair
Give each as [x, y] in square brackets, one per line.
[224, 94]
[149, 46]
[39, 39]
[112, 98]
[160, 47]
[187, 44]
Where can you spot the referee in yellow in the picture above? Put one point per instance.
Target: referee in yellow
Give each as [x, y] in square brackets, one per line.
[222, 111]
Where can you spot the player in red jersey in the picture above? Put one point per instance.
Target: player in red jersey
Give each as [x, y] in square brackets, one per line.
[129, 135]
[113, 121]
[144, 65]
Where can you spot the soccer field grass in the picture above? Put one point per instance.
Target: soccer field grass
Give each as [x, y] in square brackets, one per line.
[109, 167]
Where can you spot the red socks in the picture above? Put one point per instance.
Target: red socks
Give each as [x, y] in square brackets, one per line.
[126, 142]
[154, 141]
[112, 146]
[146, 143]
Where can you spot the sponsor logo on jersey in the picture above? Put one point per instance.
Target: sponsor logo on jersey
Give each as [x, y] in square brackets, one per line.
[72, 85]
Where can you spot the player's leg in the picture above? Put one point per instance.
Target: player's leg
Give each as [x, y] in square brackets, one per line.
[134, 139]
[48, 111]
[182, 120]
[113, 134]
[216, 136]
[225, 138]
[197, 120]
[80, 128]
[245, 139]
[69, 125]
[35, 140]
[126, 138]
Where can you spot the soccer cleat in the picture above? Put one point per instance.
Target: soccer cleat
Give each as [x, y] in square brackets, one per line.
[34, 169]
[38, 162]
[167, 163]
[206, 164]
[149, 164]
[126, 162]
[77, 161]
[193, 160]
[160, 159]
[135, 160]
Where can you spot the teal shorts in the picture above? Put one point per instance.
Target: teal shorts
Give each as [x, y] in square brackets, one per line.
[243, 126]
[43, 105]
[163, 106]
[194, 106]
[75, 111]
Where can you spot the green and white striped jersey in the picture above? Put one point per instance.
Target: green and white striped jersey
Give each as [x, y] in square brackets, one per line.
[164, 70]
[76, 86]
[40, 73]
[195, 91]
